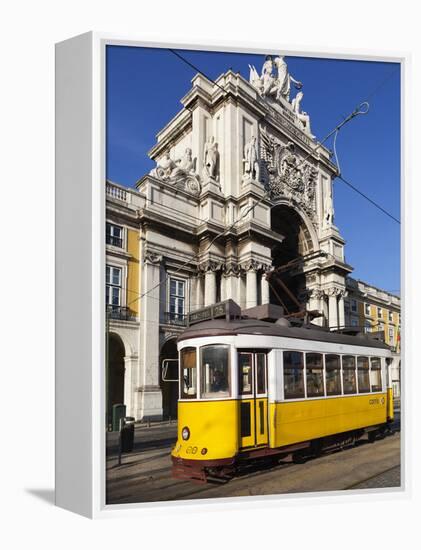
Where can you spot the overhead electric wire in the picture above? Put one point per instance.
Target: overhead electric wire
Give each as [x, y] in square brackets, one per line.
[369, 200]
[195, 68]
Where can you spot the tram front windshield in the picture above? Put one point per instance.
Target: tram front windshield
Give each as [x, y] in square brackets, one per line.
[214, 374]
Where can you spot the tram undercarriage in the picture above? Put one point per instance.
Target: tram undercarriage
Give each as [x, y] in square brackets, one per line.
[252, 460]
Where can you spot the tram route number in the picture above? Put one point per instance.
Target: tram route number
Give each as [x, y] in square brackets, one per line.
[376, 401]
[191, 450]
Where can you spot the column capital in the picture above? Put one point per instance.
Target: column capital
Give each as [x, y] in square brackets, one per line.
[150, 257]
[255, 265]
[316, 293]
[335, 291]
[209, 265]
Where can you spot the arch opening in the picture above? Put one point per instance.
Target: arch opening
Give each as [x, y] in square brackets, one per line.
[169, 389]
[116, 370]
[297, 243]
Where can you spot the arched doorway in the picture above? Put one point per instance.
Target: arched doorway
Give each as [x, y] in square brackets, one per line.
[116, 354]
[296, 243]
[169, 389]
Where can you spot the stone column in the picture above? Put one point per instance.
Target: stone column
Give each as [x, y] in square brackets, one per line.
[264, 289]
[341, 309]
[231, 284]
[251, 285]
[130, 365]
[197, 299]
[333, 307]
[149, 396]
[241, 289]
[316, 302]
[210, 287]
[224, 295]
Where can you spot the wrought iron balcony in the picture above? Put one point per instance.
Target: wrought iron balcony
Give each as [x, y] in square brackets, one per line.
[120, 313]
[171, 318]
[114, 241]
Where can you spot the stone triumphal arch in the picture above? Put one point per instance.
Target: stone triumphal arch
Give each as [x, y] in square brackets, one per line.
[240, 161]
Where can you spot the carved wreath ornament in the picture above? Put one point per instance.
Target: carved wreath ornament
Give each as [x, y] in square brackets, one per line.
[286, 175]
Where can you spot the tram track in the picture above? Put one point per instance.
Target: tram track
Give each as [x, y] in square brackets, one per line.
[145, 476]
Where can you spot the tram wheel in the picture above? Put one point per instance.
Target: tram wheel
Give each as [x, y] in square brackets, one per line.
[299, 458]
[372, 436]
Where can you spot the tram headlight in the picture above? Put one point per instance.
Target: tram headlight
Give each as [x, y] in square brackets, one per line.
[185, 433]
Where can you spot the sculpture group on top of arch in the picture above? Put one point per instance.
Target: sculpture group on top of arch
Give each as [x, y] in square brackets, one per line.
[274, 83]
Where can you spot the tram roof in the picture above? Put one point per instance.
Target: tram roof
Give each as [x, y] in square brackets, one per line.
[222, 327]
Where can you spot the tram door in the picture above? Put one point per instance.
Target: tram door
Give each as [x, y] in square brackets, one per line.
[253, 398]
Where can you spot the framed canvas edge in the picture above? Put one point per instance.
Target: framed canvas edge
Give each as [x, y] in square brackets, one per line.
[99, 508]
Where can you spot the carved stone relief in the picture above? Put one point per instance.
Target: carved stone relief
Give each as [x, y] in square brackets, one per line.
[286, 175]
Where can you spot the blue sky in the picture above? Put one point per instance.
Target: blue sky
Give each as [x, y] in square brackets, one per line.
[144, 88]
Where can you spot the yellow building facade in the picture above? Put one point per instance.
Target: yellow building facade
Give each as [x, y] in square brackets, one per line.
[377, 311]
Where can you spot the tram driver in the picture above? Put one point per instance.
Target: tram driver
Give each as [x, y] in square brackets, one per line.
[219, 381]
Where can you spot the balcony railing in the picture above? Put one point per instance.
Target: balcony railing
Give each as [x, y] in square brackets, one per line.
[178, 319]
[114, 241]
[120, 313]
[116, 192]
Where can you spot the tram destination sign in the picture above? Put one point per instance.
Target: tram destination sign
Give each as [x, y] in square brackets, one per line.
[227, 309]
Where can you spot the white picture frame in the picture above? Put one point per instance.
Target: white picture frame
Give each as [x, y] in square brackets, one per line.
[80, 219]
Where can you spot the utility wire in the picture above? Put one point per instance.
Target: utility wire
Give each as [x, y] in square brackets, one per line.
[195, 68]
[369, 200]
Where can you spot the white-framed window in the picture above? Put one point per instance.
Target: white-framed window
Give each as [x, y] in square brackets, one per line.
[177, 299]
[379, 312]
[390, 316]
[367, 326]
[114, 235]
[354, 306]
[354, 322]
[367, 309]
[113, 286]
[391, 336]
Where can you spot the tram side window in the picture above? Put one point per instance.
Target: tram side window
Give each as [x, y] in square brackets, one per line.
[293, 375]
[188, 372]
[333, 375]
[363, 375]
[348, 372]
[314, 375]
[375, 374]
[214, 372]
[245, 373]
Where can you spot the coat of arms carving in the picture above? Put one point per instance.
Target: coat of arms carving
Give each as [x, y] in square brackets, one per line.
[286, 175]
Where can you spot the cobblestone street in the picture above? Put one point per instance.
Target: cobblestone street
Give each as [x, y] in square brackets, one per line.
[145, 473]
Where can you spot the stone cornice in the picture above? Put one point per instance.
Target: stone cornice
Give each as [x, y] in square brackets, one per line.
[173, 131]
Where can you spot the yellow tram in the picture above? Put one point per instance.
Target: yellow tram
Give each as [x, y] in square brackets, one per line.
[251, 388]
